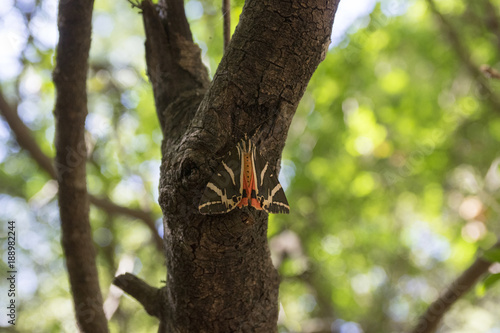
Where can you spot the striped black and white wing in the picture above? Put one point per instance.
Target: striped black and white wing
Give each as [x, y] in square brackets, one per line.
[223, 191]
[270, 193]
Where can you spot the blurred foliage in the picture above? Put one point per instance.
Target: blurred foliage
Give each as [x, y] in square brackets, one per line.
[391, 165]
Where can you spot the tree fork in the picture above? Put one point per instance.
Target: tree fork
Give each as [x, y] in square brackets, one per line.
[220, 277]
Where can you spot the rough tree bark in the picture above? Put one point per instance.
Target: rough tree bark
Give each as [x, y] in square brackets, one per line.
[219, 273]
[70, 75]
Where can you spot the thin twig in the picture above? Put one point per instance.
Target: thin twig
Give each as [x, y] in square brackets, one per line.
[490, 72]
[428, 322]
[492, 20]
[25, 139]
[226, 15]
[112, 208]
[135, 3]
[464, 56]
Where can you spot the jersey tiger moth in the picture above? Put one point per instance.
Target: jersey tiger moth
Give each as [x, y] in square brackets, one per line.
[244, 178]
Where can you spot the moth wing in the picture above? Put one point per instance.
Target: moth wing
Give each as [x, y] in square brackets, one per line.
[270, 193]
[223, 191]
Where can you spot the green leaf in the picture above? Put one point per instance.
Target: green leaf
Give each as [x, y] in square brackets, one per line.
[492, 255]
[491, 280]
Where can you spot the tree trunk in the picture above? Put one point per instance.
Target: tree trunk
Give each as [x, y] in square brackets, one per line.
[220, 277]
[70, 75]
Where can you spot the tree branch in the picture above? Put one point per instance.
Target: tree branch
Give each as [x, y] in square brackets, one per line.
[25, 139]
[429, 321]
[492, 20]
[70, 75]
[112, 208]
[226, 15]
[174, 17]
[173, 60]
[464, 56]
[490, 72]
[149, 297]
[263, 75]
